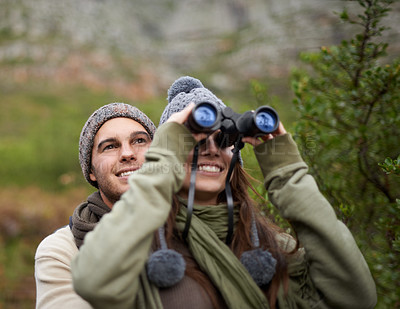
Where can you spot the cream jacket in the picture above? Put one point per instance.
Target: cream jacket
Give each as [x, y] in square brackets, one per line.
[53, 272]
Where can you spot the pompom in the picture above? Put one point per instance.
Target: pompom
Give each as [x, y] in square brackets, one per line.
[183, 84]
[165, 268]
[260, 264]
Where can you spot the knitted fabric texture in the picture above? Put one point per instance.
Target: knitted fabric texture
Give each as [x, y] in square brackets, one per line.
[96, 120]
[188, 89]
[184, 90]
[86, 216]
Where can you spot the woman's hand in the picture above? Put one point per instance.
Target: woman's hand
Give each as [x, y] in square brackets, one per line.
[182, 116]
[255, 141]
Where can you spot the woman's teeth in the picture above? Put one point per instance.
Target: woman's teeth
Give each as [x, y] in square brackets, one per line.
[209, 168]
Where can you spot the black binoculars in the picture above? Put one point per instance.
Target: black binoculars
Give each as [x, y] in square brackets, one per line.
[206, 118]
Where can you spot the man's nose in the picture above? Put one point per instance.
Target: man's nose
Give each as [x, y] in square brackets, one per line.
[127, 153]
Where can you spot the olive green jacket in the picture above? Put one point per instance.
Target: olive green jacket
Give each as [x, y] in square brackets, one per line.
[329, 272]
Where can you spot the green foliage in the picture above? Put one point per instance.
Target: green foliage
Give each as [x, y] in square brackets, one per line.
[390, 166]
[349, 118]
[261, 95]
[390, 226]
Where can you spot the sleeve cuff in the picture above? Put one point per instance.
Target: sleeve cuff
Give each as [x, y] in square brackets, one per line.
[173, 137]
[276, 153]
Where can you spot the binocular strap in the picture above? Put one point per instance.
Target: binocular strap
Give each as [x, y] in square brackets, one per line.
[192, 190]
[229, 197]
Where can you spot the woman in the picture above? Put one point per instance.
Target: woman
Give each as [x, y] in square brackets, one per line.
[133, 258]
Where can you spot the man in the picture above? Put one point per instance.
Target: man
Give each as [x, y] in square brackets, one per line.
[111, 147]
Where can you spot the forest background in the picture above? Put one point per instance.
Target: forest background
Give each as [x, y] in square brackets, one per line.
[330, 68]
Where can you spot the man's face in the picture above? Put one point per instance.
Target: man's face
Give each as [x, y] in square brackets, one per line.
[118, 151]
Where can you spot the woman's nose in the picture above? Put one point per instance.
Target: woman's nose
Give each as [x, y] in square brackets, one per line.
[211, 146]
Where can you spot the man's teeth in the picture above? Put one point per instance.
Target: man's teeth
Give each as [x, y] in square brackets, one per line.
[209, 168]
[124, 174]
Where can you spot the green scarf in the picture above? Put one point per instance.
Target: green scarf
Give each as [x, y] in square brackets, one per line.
[207, 232]
[208, 228]
[206, 243]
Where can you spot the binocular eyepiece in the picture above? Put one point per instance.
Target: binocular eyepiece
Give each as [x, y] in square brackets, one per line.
[206, 118]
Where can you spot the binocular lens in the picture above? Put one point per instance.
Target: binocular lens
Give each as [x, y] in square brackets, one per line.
[205, 115]
[266, 121]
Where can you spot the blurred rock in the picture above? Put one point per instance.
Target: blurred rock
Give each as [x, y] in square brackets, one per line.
[115, 44]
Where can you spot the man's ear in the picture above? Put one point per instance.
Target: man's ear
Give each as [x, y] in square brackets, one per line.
[92, 177]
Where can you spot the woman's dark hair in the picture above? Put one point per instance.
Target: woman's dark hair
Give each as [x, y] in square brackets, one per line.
[267, 233]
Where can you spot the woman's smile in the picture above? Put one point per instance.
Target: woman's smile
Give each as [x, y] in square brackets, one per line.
[209, 167]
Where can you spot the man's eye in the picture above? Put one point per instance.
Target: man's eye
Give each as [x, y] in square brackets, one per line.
[140, 140]
[108, 147]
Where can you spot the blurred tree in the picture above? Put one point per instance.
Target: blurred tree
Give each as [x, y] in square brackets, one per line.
[349, 120]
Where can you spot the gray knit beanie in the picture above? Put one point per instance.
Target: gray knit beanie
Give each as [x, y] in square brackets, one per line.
[184, 90]
[188, 89]
[96, 120]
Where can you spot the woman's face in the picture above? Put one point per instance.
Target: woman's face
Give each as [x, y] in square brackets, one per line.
[212, 168]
